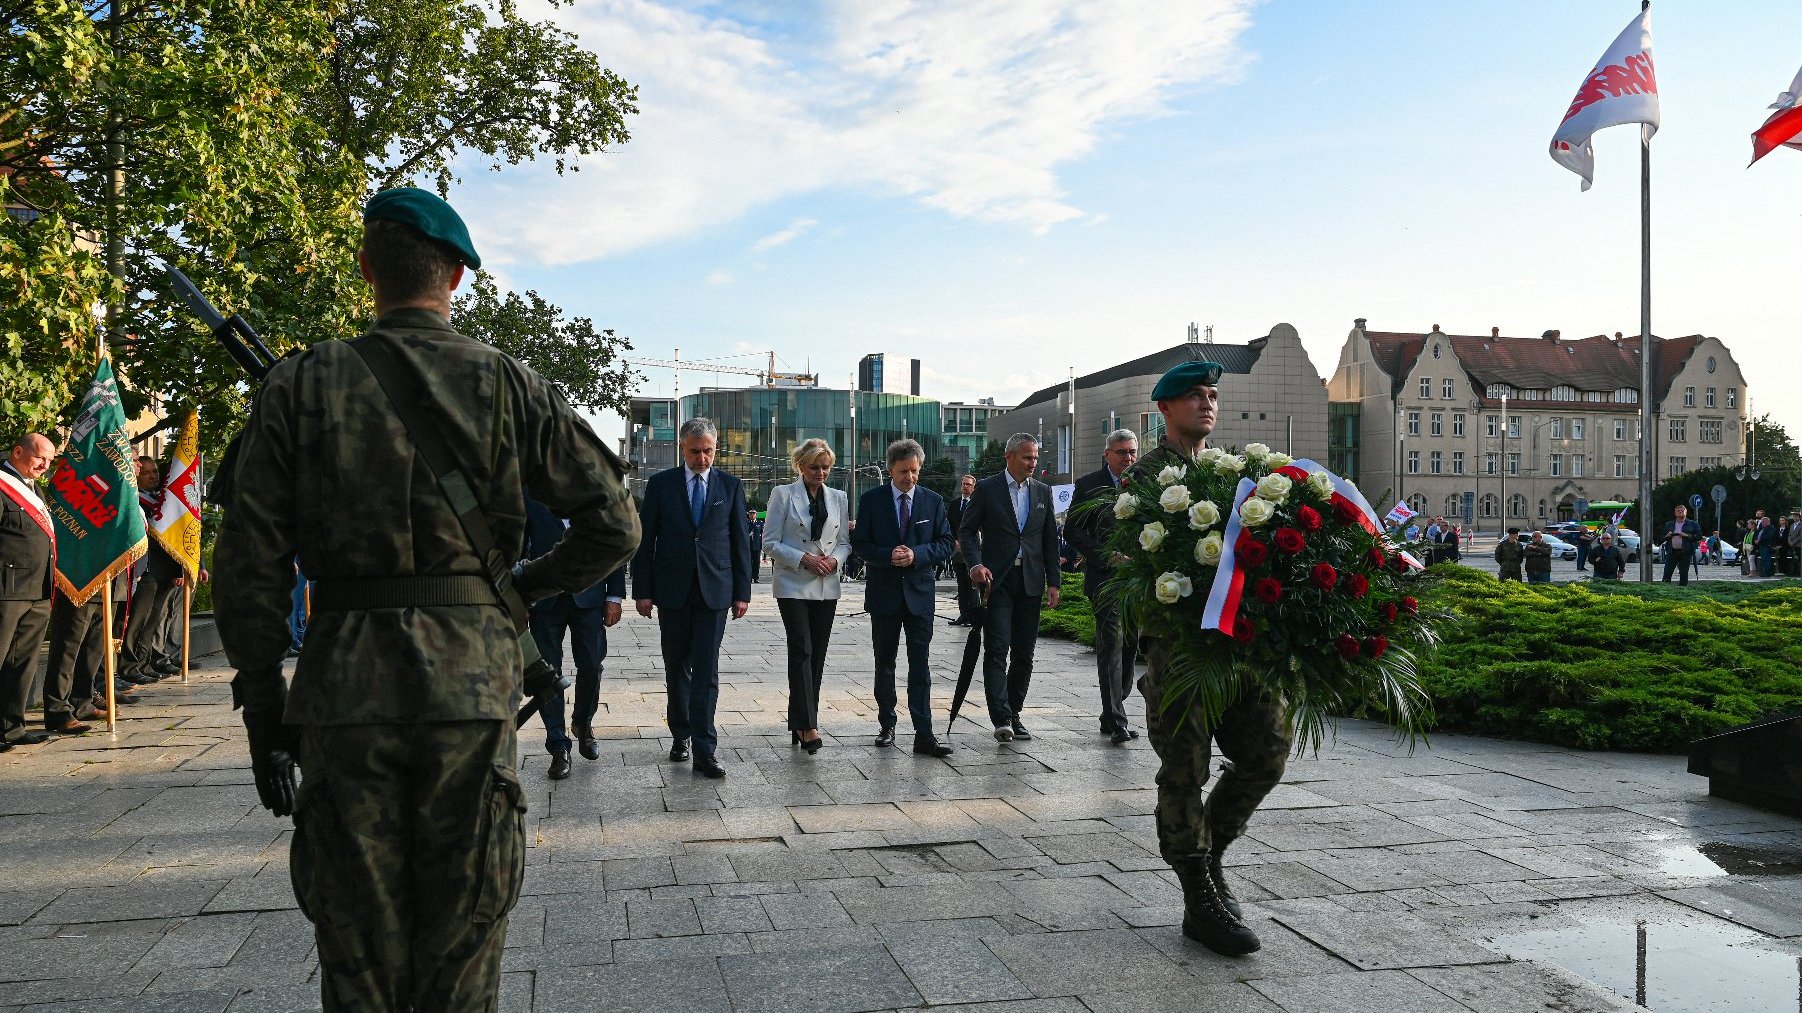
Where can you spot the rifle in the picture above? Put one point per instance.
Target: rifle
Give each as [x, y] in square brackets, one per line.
[539, 681]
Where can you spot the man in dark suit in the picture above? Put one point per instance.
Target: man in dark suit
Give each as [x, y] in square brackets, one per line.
[1680, 537]
[693, 564]
[1009, 538]
[902, 533]
[584, 617]
[1116, 646]
[968, 600]
[27, 559]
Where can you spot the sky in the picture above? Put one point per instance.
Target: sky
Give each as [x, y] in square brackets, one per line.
[1012, 188]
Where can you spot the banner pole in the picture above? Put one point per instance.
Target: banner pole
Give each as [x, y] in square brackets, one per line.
[112, 703]
[187, 623]
[1647, 358]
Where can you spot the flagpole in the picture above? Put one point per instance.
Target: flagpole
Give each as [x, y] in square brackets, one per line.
[1647, 353]
[187, 623]
[106, 608]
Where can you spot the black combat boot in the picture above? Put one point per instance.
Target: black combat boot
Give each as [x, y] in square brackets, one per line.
[1205, 917]
[1218, 875]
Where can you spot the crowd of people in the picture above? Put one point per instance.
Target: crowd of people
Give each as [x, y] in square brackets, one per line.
[1767, 546]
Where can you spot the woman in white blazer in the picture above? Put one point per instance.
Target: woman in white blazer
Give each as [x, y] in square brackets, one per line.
[808, 536]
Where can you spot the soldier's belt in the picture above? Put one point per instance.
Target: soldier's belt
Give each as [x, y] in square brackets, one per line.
[401, 592]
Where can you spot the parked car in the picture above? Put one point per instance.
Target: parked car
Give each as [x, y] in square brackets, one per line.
[1629, 544]
[1729, 553]
[1561, 549]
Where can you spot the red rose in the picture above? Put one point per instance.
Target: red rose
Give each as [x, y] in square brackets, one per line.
[1290, 540]
[1308, 518]
[1375, 646]
[1251, 554]
[1398, 564]
[1389, 611]
[1268, 590]
[1348, 646]
[1357, 585]
[1243, 631]
[1346, 512]
[1323, 576]
[1376, 557]
[1410, 605]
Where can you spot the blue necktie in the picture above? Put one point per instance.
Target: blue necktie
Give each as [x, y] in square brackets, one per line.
[906, 515]
[697, 501]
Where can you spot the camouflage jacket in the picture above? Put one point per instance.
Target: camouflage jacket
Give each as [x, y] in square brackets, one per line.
[1155, 460]
[326, 471]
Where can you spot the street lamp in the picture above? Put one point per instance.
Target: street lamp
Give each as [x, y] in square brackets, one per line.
[1748, 465]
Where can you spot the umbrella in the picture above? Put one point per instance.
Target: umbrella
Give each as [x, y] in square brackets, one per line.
[972, 655]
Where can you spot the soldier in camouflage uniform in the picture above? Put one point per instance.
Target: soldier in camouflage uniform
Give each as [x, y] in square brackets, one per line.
[1254, 733]
[408, 848]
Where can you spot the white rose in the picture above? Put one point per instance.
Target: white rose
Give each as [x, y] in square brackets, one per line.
[1151, 536]
[1274, 487]
[1124, 506]
[1211, 455]
[1170, 475]
[1276, 459]
[1321, 483]
[1203, 515]
[1230, 462]
[1209, 550]
[1174, 500]
[1174, 587]
[1256, 512]
[1253, 450]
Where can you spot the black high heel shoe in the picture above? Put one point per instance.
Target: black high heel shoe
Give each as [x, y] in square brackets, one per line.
[813, 745]
[794, 738]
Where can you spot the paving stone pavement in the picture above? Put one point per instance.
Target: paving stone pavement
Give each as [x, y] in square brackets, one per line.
[138, 873]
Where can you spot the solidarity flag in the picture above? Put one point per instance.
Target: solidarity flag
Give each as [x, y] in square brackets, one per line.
[93, 495]
[1400, 515]
[175, 523]
[1061, 498]
[1783, 126]
[1621, 89]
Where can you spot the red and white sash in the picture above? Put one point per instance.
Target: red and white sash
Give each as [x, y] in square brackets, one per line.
[21, 492]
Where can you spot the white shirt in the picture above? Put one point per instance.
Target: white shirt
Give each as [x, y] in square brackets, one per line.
[1016, 491]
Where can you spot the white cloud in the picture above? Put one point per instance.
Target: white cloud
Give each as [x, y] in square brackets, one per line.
[720, 278]
[794, 231]
[968, 108]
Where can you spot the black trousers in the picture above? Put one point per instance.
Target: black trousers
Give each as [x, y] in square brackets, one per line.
[969, 601]
[886, 632]
[808, 624]
[1681, 560]
[1116, 651]
[22, 626]
[586, 628]
[144, 631]
[77, 659]
[691, 634]
[1010, 632]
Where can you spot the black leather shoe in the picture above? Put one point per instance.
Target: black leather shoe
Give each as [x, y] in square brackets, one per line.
[1122, 735]
[591, 750]
[559, 765]
[886, 737]
[1020, 732]
[930, 747]
[709, 766]
[678, 751]
[1206, 918]
[29, 738]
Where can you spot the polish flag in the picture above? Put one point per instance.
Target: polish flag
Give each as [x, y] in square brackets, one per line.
[1621, 89]
[1783, 126]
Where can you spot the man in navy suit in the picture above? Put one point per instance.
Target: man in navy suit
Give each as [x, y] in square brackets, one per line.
[1116, 642]
[693, 564]
[902, 534]
[584, 617]
[1009, 538]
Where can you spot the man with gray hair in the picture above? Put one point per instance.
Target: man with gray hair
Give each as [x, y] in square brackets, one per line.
[1116, 645]
[1009, 537]
[27, 558]
[902, 534]
[693, 563]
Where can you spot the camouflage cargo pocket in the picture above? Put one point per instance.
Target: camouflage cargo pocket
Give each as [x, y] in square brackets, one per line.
[316, 823]
[505, 855]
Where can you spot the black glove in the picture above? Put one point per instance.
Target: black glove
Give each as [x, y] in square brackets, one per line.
[272, 748]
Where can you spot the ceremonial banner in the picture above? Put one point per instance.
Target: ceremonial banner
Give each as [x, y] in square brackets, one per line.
[1784, 125]
[175, 523]
[1621, 89]
[93, 497]
[1061, 498]
[1400, 514]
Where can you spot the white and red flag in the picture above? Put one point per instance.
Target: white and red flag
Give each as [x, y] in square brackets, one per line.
[1621, 89]
[1783, 126]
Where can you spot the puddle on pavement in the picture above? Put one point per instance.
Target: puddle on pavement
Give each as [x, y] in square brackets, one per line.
[1716, 859]
[1692, 966]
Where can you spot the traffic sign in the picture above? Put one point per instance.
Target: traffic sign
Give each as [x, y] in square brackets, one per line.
[1580, 508]
[1695, 503]
[1718, 494]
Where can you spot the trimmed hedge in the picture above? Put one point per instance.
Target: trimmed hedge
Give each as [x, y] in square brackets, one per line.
[1593, 666]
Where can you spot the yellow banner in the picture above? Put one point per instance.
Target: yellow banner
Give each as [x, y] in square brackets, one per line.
[176, 523]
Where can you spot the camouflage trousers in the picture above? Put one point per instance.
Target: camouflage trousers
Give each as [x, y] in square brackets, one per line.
[408, 852]
[1254, 734]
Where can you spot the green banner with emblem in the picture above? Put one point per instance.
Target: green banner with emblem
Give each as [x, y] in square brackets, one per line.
[93, 496]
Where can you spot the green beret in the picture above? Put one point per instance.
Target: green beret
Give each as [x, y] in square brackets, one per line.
[424, 211]
[1184, 376]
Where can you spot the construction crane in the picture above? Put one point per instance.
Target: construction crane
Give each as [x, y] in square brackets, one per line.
[767, 377]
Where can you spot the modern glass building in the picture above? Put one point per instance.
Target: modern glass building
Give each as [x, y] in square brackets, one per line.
[760, 426]
[967, 429]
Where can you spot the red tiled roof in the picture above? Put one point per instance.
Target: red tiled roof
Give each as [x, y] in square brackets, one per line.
[1597, 363]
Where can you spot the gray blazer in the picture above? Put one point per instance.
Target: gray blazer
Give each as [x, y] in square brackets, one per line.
[787, 536]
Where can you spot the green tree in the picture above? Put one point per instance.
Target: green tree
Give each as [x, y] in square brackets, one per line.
[991, 461]
[941, 477]
[1777, 487]
[569, 352]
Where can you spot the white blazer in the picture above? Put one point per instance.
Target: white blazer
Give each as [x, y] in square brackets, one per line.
[787, 536]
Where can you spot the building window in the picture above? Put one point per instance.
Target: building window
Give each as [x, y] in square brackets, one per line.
[1557, 465]
[1557, 429]
[1514, 427]
[1426, 387]
[1517, 505]
[1436, 464]
[1576, 429]
[1457, 462]
[1626, 395]
[1576, 465]
[1438, 424]
[1454, 505]
[1490, 461]
[1708, 462]
[1487, 505]
[1542, 509]
[1063, 450]
[1708, 430]
[1457, 423]
[1418, 504]
[1679, 465]
[1413, 462]
[1514, 463]
[1689, 397]
[1413, 423]
[1679, 430]
[1436, 351]
[1620, 466]
[1445, 389]
[1496, 390]
[1491, 423]
[1564, 392]
[1732, 397]
[1708, 398]
[1151, 429]
[1620, 429]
